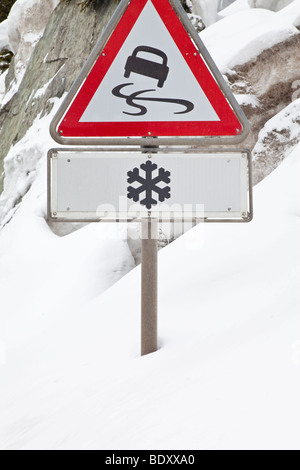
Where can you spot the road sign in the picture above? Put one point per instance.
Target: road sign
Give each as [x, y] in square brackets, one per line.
[150, 75]
[89, 185]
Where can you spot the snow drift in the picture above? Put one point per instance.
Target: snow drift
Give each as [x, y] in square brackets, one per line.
[226, 375]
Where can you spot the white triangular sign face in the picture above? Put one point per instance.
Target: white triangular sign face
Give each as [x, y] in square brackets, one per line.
[150, 79]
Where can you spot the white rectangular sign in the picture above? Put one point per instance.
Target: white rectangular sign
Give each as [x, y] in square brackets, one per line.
[90, 184]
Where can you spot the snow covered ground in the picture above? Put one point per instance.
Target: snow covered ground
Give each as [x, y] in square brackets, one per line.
[227, 374]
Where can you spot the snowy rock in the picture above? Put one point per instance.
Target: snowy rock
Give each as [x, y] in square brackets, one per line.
[245, 35]
[235, 7]
[260, 46]
[208, 9]
[276, 141]
[26, 23]
[262, 79]
[54, 65]
[274, 5]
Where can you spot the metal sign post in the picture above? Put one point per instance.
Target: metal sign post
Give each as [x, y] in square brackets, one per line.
[149, 302]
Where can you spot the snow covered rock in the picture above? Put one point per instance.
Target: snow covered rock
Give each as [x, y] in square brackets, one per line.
[53, 66]
[262, 80]
[277, 139]
[26, 23]
[274, 5]
[208, 9]
[259, 58]
[235, 7]
[241, 37]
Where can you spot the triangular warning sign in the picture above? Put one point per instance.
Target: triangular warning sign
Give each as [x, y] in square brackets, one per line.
[150, 77]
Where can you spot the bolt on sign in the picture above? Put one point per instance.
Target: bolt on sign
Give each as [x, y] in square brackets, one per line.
[149, 76]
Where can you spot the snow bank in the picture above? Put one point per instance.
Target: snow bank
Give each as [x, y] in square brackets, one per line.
[227, 372]
[245, 35]
[33, 258]
[274, 5]
[22, 165]
[208, 9]
[235, 7]
[291, 13]
[286, 124]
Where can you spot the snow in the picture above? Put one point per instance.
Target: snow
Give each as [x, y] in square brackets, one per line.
[245, 35]
[208, 9]
[247, 100]
[22, 164]
[227, 372]
[3, 34]
[285, 124]
[226, 375]
[235, 7]
[274, 5]
[291, 13]
[276, 140]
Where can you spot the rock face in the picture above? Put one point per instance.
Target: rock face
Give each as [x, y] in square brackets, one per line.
[55, 63]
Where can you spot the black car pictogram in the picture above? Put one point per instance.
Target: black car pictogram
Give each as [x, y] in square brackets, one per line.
[149, 68]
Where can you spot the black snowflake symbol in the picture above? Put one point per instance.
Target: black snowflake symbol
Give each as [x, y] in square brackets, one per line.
[148, 184]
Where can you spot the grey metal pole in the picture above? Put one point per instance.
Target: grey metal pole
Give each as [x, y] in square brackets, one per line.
[149, 286]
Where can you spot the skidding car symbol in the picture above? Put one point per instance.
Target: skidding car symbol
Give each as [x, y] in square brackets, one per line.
[147, 67]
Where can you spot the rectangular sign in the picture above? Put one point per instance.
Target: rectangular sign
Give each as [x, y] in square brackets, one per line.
[124, 185]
